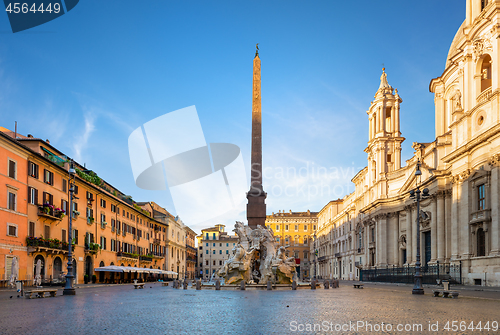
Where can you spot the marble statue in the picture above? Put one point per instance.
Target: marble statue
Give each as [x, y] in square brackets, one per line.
[38, 270]
[254, 259]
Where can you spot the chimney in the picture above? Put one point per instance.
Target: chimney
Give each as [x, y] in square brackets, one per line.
[47, 140]
[30, 136]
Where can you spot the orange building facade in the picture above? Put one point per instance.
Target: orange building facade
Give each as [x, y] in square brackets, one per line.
[109, 228]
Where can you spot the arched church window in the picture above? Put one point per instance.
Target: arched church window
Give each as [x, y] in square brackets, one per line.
[485, 73]
[481, 243]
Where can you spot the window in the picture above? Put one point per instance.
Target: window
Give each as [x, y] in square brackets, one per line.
[46, 234]
[213, 236]
[214, 252]
[32, 196]
[314, 227]
[48, 177]
[64, 206]
[12, 169]
[483, 4]
[48, 198]
[296, 227]
[206, 262]
[76, 189]
[207, 245]
[305, 227]
[480, 197]
[207, 252]
[113, 209]
[286, 227]
[214, 262]
[31, 231]
[227, 252]
[103, 217]
[220, 252]
[372, 230]
[33, 170]
[75, 235]
[64, 235]
[277, 227]
[12, 201]
[11, 229]
[64, 186]
[481, 242]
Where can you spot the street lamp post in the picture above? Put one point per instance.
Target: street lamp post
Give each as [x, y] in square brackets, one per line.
[417, 288]
[69, 289]
[315, 256]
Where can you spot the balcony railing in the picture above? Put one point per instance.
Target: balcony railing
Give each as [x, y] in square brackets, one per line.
[40, 244]
[103, 225]
[146, 258]
[156, 241]
[90, 220]
[127, 255]
[479, 216]
[337, 254]
[484, 96]
[50, 213]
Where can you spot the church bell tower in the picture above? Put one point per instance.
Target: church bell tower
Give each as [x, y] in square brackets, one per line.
[384, 140]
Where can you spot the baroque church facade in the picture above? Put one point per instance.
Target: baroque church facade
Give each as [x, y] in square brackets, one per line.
[375, 226]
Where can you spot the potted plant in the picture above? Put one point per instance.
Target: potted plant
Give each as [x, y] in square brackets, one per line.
[86, 279]
[94, 279]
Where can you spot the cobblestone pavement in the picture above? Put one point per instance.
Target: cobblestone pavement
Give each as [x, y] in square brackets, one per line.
[121, 309]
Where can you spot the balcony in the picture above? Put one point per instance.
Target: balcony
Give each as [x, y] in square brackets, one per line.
[90, 220]
[103, 225]
[127, 255]
[337, 254]
[92, 248]
[37, 244]
[146, 258]
[156, 255]
[156, 241]
[480, 216]
[484, 96]
[322, 258]
[51, 213]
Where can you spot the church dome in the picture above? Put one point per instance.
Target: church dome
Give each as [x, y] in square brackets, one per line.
[454, 44]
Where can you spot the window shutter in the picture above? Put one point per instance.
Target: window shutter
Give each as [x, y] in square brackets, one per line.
[36, 196]
[30, 200]
[91, 238]
[64, 186]
[12, 169]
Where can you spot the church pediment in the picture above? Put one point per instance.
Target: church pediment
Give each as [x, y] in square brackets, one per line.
[410, 183]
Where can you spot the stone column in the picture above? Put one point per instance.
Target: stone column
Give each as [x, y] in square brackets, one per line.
[447, 221]
[454, 221]
[409, 237]
[395, 239]
[495, 215]
[464, 242]
[414, 217]
[434, 235]
[440, 211]
[382, 241]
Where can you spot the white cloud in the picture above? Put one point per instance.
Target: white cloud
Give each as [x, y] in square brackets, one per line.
[80, 144]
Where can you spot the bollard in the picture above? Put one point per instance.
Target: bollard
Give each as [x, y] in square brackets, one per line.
[217, 284]
[185, 284]
[313, 284]
[242, 285]
[338, 283]
[198, 285]
[269, 286]
[294, 285]
[326, 284]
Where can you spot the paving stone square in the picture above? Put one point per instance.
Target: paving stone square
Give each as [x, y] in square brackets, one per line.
[121, 309]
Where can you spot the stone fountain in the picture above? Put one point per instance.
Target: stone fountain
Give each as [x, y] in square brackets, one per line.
[256, 259]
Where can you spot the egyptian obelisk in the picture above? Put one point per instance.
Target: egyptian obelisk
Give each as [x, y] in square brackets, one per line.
[256, 207]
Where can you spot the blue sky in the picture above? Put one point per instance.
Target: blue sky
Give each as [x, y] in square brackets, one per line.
[89, 78]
